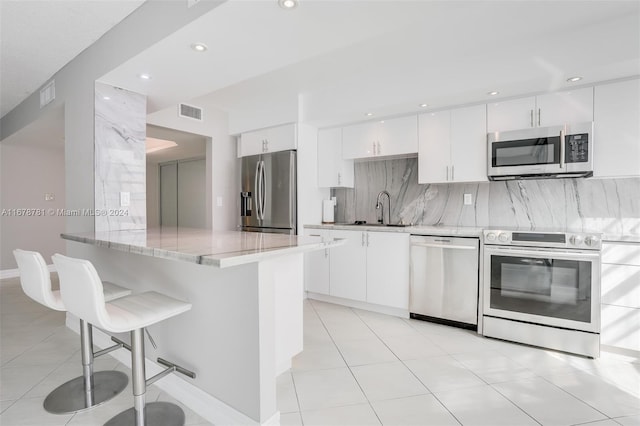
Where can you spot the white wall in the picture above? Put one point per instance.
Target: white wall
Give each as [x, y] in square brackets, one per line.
[222, 169]
[309, 195]
[151, 22]
[27, 172]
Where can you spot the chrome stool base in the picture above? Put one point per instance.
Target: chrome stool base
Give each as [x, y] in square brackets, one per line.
[155, 413]
[71, 396]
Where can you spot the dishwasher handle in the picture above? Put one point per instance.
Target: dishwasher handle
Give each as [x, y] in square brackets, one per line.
[449, 246]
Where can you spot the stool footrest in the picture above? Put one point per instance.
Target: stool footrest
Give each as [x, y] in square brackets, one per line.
[105, 351]
[120, 342]
[177, 368]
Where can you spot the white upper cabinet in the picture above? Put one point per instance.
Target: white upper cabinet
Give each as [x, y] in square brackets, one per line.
[617, 129]
[333, 170]
[469, 144]
[574, 106]
[434, 151]
[453, 146]
[511, 115]
[396, 136]
[273, 139]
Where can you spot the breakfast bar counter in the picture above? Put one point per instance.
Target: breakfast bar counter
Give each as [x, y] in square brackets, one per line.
[245, 325]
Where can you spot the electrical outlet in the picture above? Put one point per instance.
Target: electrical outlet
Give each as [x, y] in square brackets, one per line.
[49, 196]
[219, 201]
[468, 199]
[125, 199]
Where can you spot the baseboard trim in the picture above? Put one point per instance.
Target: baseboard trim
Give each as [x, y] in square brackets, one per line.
[387, 310]
[205, 405]
[15, 273]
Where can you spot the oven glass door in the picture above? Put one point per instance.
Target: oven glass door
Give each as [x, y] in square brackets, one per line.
[559, 288]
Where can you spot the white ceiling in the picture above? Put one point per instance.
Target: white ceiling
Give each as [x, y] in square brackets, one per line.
[39, 37]
[346, 58]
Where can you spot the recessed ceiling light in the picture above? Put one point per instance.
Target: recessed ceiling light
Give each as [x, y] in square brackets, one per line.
[574, 79]
[106, 98]
[369, 114]
[199, 47]
[423, 105]
[493, 93]
[145, 76]
[288, 4]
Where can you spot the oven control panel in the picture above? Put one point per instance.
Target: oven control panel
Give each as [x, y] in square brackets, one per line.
[579, 240]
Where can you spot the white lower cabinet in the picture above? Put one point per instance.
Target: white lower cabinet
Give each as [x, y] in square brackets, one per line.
[349, 266]
[620, 296]
[316, 265]
[388, 269]
[370, 267]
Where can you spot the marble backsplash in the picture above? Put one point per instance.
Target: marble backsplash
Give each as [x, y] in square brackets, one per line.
[611, 206]
[120, 158]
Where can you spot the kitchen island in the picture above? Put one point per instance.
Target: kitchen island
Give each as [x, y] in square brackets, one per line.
[245, 325]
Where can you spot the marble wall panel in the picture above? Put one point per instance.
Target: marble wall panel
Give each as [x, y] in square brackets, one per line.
[611, 206]
[120, 158]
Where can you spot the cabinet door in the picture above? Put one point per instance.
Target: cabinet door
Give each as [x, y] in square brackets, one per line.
[333, 171]
[358, 140]
[281, 138]
[398, 136]
[556, 109]
[469, 144]
[316, 265]
[617, 130]
[434, 151]
[348, 270]
[388, 269]
[251, 143]
[511, 115]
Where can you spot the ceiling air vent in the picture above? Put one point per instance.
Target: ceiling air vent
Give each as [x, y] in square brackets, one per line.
[189, 111]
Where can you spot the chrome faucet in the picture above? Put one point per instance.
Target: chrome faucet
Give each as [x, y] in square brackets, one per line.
[380, 207]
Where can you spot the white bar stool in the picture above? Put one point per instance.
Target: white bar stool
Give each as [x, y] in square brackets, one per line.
[82, 294]
[90, 389]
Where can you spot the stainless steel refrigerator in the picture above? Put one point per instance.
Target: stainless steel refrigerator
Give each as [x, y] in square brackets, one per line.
[268, 198]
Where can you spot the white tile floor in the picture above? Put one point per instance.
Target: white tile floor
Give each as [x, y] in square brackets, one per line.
[38, 353]
[358, 368]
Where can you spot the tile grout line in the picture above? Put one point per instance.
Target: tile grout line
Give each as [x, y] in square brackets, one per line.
[345, 361]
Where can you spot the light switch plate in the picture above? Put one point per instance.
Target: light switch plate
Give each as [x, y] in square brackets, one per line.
[219, 201]
[468, 199]
[125, 199]
[49, 196]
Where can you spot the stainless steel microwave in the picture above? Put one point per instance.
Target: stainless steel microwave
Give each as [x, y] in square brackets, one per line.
[541, 152]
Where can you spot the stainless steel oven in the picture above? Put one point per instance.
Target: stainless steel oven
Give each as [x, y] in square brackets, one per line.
[543, 289]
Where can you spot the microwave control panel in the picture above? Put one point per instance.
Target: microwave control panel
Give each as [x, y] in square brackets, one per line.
[577, 148]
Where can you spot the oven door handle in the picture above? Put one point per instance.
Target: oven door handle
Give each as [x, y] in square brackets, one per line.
[544, 253]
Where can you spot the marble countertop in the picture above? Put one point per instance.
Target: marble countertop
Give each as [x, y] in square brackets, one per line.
[459, 231]
[463, 231]
[214, 248]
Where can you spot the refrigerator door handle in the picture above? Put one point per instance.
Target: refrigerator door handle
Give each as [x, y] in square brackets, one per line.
[257, 189]
[263, 190]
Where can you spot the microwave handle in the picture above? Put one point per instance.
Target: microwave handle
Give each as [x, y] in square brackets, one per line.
[562, 149]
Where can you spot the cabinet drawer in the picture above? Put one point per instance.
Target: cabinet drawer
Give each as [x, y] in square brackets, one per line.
[620, 327]
[621, 253]
[621, 285]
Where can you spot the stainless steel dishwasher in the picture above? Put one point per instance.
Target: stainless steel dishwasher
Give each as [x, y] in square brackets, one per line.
[444, 280]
